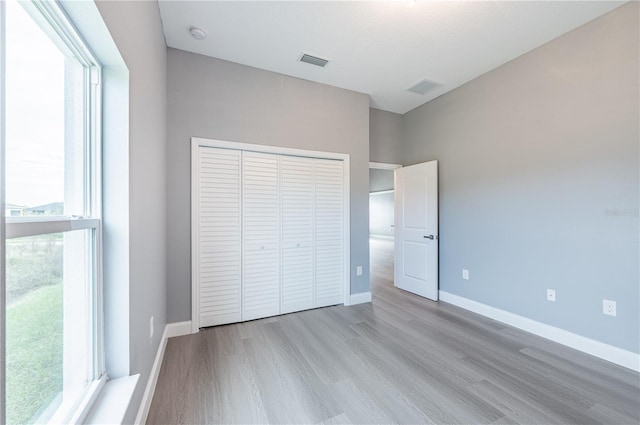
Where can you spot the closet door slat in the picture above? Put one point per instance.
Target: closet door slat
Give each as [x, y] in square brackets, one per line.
[261, 235]
[329, 232]
[297, 233]
[220, 244]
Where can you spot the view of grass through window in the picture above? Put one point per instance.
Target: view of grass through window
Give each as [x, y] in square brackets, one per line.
[34, 336]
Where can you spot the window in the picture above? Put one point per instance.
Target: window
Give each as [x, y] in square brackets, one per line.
[52, 307]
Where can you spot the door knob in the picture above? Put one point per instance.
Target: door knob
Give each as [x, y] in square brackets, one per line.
[428, 237]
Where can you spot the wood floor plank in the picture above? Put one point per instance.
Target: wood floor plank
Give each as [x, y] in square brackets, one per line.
[276, 385]
[173, 376]
[598, 388]
[608, 415]
[515, 409]
[317, 399]
[320, 350]
[359, 405]
[594, 369]
[558, 401]
[400, 359]
[383, 388]
[442, 394]
[341, 419]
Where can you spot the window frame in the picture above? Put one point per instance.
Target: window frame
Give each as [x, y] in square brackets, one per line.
[3, 415]
[51, 17]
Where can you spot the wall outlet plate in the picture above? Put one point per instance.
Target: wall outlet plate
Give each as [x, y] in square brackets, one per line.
[359, 270]
[609, 307]
[551, 295]
[465, 274]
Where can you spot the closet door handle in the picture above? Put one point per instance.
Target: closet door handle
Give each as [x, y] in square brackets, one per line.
[428, 237]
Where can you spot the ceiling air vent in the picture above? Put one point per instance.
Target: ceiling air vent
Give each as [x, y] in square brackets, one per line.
[313, 60]
[424, 86]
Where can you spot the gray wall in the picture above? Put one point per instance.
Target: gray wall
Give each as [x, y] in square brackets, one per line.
[539, 180]
[221, 100]
[385, 135]
[380, 204]
[137, 31]
[381, 208]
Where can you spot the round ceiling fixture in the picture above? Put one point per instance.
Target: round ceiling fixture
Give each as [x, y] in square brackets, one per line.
[197, 33]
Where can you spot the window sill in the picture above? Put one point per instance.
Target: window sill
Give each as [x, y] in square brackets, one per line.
[113, 402]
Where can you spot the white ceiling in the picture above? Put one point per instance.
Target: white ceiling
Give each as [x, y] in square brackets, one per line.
[380, 48]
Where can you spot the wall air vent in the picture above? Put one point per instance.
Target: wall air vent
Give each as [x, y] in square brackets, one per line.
[424, 86]
[313, 60]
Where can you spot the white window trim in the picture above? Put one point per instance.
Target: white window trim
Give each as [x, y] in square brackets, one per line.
[30, 227]
[77, 413]
[2, 218]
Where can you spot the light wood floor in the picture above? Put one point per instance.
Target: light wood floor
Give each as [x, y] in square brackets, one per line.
[400, 359]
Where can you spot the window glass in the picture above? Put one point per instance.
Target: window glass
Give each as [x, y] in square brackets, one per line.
[44, 121]
[48, 335]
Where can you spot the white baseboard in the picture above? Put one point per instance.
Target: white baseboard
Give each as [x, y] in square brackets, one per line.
[178, 329]
[599, 349]
[170, 330]
[361, 298]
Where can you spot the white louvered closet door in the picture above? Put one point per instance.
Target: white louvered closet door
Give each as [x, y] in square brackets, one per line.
[219, 242]
[261, 235]
[296, 177]
[329, 228]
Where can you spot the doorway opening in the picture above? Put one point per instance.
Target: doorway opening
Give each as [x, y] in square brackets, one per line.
[381, 225]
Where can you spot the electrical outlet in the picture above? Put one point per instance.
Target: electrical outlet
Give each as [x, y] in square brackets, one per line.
[609, 307]
[151, 327]
[465, 274]
[551, 295]
[359, 270]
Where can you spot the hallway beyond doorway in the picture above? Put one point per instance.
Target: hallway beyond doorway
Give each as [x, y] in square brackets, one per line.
[382, 261]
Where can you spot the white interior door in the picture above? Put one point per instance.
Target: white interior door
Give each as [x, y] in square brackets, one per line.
[219, 246]
[416, 229]
[297, 233]
[261, 235]
[329, 232]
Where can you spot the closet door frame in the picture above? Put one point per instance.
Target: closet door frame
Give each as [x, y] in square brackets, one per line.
[196, 143]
